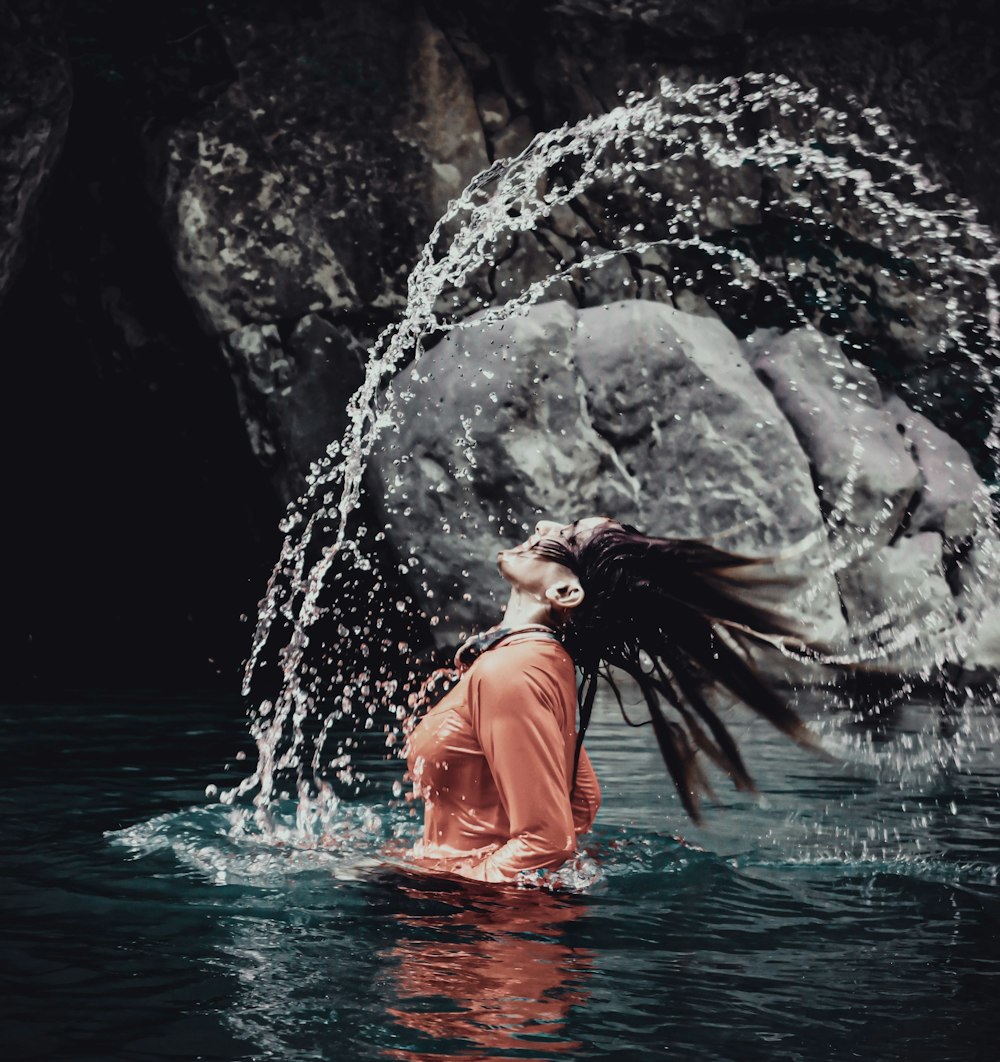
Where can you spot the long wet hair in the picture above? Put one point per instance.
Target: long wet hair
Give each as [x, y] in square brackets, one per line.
[679, 616]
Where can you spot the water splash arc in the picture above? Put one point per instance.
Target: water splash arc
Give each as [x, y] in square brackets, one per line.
[756, 122]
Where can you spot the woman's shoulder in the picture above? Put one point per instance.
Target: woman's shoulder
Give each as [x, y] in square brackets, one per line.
[524, 653]
[523, 676]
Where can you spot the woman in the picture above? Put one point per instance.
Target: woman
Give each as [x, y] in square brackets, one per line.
[499, 761]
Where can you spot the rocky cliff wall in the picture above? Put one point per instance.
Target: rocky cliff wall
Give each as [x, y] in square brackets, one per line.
[306, 186]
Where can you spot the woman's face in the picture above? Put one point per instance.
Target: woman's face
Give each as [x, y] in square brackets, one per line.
[528, 567]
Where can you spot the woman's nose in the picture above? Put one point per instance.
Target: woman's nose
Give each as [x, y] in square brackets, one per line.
[546, 527]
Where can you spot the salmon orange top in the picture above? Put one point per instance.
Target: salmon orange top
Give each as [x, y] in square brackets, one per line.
[493, 762]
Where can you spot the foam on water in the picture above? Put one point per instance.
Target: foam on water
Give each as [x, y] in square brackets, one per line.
[371, 840]
[224, 846]
[912, 803]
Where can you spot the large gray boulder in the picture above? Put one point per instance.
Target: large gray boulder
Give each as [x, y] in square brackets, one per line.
[634, 410]
[913, 543]
[655, 416]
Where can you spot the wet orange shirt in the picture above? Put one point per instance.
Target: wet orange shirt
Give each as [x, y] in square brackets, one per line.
[493, 762]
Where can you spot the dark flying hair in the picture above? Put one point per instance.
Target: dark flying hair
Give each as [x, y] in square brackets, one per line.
[676, 615]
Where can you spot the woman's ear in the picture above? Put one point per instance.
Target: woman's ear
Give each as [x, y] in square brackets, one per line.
[565, 594]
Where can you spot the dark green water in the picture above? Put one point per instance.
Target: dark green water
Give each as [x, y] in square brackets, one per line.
[854, 913]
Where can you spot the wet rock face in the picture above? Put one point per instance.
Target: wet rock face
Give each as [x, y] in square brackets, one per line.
[633, 410]
[302, 192]
[35, 97]
[674, 396]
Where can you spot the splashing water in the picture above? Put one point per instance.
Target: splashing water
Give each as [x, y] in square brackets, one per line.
[832, 171]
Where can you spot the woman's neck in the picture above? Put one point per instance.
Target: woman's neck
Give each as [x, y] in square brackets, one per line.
[524, 610]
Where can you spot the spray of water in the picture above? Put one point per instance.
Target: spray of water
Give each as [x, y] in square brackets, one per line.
[833, 170]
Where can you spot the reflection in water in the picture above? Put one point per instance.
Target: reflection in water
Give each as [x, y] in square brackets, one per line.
[493, 973]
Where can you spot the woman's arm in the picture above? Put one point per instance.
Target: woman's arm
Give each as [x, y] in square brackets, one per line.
[586, 795]
[519, 715]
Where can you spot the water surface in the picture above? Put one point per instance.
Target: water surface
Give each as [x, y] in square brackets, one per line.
[852, 912]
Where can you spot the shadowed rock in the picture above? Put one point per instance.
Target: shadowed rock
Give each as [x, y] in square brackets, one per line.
[310, 183]
[293, 392]
[35, 97]
[307, 184]
[297, 156]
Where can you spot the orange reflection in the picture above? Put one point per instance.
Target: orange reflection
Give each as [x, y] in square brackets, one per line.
[492, 975]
